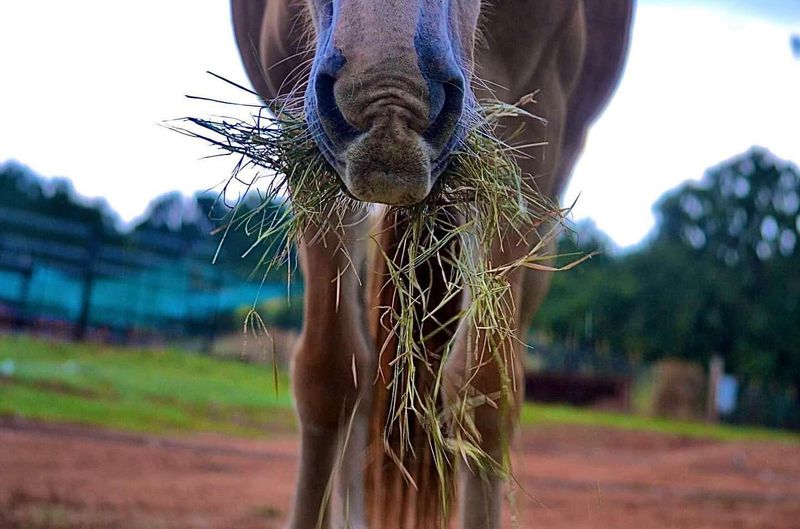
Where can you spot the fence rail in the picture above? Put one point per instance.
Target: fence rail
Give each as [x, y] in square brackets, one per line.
[58, 273]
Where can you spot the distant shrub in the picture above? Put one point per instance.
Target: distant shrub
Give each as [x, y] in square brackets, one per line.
[678, 389]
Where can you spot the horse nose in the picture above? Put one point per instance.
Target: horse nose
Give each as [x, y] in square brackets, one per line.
[337, 127]
[349, 105]
[447, 107]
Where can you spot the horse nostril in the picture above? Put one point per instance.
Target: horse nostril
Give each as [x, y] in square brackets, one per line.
[331, 116]
[447, 105]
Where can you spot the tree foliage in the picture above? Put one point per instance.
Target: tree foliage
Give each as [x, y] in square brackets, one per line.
[720, 275]
[24, 190]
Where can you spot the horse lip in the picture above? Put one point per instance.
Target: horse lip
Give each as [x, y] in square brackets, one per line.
[438, 164]
[323, 144]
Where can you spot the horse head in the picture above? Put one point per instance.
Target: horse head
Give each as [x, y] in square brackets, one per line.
[388, 98]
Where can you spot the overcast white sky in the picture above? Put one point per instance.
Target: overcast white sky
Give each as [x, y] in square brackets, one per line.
[83, 85]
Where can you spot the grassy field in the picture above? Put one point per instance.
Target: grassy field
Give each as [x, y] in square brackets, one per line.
[534, 414]
[169, 391]
[162, 391]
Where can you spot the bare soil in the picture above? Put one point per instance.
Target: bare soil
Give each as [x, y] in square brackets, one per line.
[68, 477]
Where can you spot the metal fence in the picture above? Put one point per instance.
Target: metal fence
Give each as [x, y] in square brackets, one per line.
[65, 276]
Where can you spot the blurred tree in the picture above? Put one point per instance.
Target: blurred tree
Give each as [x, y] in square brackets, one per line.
[721, 275]
[205, 217]
[26, 191]
[177, 214]
[239, 230]
[741, 223]
[584, 304]
[21, 187]
[743, 213]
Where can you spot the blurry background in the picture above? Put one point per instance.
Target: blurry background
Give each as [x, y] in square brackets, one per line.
[115, 314]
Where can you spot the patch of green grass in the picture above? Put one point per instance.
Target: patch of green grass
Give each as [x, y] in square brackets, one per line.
[170, 391]
[140, 390]
[535, 414]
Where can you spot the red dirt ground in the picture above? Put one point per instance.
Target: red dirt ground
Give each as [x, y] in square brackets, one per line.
[66, 477]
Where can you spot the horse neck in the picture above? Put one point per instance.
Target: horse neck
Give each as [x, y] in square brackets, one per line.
[518, 37]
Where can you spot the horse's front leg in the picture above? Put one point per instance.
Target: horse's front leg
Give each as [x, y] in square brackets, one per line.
[489, 371]
[331, 375]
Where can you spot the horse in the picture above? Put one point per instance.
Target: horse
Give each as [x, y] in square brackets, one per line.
[388, 88]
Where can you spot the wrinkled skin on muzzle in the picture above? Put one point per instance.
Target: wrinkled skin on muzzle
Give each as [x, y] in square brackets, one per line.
[388, 98]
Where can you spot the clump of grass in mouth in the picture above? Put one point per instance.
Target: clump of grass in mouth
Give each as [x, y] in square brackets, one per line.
[480, 199]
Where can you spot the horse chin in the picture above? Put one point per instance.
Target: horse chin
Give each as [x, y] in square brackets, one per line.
[372, 189]
[388, 165]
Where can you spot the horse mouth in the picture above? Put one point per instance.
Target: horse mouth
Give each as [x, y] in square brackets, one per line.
[365, 175]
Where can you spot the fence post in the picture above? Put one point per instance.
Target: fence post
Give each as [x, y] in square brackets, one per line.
[92, 252]
[212, 327]
[716, 368]
[26, 266]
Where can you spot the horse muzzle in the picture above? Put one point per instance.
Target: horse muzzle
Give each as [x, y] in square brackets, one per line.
[386, 130]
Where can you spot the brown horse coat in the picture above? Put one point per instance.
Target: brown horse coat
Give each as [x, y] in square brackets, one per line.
[570, 54]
